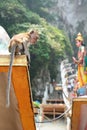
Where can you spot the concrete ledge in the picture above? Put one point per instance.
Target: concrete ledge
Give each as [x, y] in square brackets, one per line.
[20, 60]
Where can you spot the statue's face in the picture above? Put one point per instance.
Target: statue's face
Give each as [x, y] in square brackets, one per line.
[78, 43]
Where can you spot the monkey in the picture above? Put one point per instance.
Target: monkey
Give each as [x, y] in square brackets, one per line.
[19, 45]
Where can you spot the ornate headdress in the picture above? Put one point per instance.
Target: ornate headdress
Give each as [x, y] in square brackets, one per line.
[79, 37]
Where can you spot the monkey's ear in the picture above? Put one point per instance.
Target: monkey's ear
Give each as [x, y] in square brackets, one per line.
[34, 32]
[31, 32]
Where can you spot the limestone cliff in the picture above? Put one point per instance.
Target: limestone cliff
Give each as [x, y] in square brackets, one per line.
[71, 16]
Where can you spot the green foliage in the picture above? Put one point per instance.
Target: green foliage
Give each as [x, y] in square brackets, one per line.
[48, 51]
[41, 7]
[40, 54]
[13, 13]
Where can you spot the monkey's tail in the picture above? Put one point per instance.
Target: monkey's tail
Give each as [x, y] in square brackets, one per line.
[9, 76]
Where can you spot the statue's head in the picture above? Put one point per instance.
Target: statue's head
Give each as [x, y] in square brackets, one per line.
[79, 37]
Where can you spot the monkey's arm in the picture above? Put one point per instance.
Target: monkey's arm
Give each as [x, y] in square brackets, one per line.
[26, 49]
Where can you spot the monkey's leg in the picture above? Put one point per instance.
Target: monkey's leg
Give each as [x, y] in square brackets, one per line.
[27, 53]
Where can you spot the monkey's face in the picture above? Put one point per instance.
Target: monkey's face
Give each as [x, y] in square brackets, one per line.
[33, 37]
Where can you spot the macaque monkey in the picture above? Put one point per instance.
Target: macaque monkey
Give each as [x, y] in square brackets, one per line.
[19, 44]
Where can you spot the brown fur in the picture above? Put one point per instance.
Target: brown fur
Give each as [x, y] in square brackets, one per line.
[21, 38]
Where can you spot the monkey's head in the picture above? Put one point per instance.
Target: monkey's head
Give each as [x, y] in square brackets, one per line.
[33, 36]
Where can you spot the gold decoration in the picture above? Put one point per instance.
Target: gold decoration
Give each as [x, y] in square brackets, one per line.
[79, 37]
